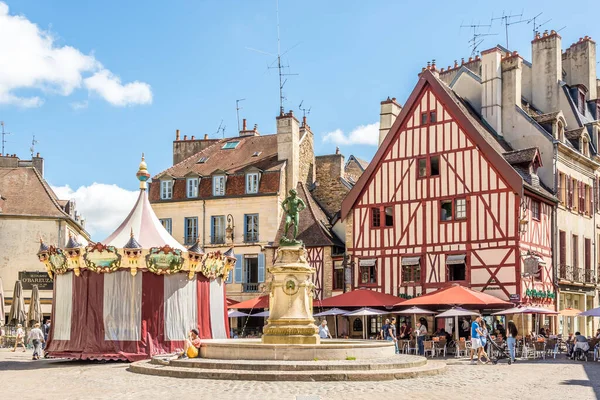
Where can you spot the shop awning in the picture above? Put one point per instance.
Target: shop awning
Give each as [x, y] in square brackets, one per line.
[457, 295]
[411, 260]
[359, 298]
[257, 302]
[456, 259]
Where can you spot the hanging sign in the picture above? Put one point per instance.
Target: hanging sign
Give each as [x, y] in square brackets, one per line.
[39, 278]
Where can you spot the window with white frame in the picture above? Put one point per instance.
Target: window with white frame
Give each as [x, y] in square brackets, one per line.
[166, 189]
[192, 187]
[251, 228]
[219, 185]
[217, 229]
[461, 208]
[167, 223]
[191, 230]
[252, 182]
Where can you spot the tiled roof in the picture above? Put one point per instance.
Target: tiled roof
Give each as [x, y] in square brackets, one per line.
[574, 134]
[534, 184]
[521, 156]
[230, 161]
[313, 229]
[545, 118]
[361, 163]
[26, 193]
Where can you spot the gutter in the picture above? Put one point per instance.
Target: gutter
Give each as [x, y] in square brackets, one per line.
[554, 232]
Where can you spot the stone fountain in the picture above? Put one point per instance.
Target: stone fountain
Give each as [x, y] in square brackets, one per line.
[290, 348]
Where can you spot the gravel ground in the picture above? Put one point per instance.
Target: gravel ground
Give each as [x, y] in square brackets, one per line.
[21, 378]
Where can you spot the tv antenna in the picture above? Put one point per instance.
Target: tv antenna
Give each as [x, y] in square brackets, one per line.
[237, 111]
[507, 20]
[221, 129]
[476, 40]
[305, 111]
[280, 68]
[32, 148]
[3, 137]
[537, 26]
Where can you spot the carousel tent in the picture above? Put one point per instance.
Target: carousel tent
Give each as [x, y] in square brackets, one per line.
[136, 294]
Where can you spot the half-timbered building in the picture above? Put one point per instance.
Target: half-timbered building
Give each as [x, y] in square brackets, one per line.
[447, 200]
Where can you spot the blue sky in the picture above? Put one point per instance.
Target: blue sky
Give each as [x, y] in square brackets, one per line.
[188, 62]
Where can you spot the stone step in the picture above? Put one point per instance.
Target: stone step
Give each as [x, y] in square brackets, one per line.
[395, 362]
[146, 367]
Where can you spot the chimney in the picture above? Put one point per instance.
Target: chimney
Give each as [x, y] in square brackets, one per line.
[244, 124]
[177, 134]
[248, 132]
[387, 116]
[38, 163]
[491, 94]
[579, 63]
[546, 71]
[512, 69]
[288, 147]
[206, 136]
[184, 137]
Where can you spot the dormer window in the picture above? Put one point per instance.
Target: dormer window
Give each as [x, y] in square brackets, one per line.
[219, 185]
[581, 102]
[230, 145]
[252, 182]
[166, 189]
[561, 132]
[585, 147]
[192, 187]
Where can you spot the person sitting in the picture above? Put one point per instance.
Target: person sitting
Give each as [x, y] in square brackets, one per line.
[192, 345]
[543, 333]
[580, 343]
[598, 334]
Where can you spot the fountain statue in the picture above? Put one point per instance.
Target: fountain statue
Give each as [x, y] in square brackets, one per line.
[291, 289]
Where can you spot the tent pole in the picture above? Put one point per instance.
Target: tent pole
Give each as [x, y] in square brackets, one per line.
[364, 328]
[456, 327]
[335, 323]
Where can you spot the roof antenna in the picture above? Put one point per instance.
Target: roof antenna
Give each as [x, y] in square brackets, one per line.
[279, 66]
[221, 128]
[507, 21]
[237, 111]
[537, 26]
[476, 40]
[305, 111]
[32, 148]
[3, 137]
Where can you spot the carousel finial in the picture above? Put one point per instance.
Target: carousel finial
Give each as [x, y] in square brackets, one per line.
[143, 174]
[131, 234]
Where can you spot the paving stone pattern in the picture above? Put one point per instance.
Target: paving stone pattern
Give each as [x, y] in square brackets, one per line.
[21, 378]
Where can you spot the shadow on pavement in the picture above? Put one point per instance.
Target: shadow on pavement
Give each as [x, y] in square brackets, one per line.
[28, 365]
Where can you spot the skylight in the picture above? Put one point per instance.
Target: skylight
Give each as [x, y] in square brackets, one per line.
[256, 153]
[230, 145]
[202, 160]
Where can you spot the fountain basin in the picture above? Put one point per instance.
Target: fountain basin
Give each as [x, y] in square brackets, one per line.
[254, 349]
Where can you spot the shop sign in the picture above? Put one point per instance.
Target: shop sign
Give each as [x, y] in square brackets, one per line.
[515, 297]
[41, 279]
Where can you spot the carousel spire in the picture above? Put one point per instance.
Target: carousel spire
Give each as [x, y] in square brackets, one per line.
[143, 174]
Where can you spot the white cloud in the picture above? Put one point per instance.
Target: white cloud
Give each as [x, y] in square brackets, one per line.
[34, 61]
[79, 105]
[102, 206]
[110, 88]
[362, 134]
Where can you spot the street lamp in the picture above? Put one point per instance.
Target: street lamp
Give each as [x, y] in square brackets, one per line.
[230, 227]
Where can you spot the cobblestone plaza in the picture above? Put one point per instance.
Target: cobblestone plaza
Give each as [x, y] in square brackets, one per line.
[57, 379]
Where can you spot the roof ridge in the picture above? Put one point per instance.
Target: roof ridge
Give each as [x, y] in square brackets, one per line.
[188, 158]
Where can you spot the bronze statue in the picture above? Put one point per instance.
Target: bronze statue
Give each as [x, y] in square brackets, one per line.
[292, 207]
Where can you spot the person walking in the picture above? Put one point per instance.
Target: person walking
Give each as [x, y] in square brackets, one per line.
[36, 336]
[46, 330]
[475, 339]
[483, 336]
[385, 330]
[511, 339]
[324, 330]
[420, 333]
[393, 335]
[20, 339]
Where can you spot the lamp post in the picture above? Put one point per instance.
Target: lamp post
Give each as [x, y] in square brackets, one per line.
[348, 266]
[230, 228]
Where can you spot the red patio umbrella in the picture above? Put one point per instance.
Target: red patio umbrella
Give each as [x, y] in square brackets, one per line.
[360, 298]
[257, 302]
[457, 295]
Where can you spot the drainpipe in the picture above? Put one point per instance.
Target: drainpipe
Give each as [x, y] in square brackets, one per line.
[203, 223]
[554, 223]
[59, 242]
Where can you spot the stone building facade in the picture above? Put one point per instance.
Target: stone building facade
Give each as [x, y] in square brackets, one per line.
[30, 211]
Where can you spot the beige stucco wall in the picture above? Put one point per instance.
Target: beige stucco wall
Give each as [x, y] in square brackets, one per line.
[19, 244]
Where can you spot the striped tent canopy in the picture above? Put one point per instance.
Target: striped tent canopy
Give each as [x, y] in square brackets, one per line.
[136, 294]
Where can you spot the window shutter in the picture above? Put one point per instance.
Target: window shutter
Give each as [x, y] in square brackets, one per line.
[237, 276]
[261, 267]
[245, 227]
[563, 248]
[229, 277]
[558, 189]
[212, 229]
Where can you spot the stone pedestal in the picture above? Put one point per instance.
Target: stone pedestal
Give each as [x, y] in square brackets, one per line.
[291, 300]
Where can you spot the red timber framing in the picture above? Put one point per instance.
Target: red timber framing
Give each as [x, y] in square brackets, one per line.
[316, 260]
[483, 251]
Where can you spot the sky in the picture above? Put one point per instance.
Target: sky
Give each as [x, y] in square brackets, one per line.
[98, 83]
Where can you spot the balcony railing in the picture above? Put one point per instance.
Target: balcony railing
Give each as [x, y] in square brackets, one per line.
[250, 287]
[576, 274]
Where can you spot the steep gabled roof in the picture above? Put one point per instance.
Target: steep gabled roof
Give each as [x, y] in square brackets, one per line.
[524, 156]
[362, 164]
[482, 137]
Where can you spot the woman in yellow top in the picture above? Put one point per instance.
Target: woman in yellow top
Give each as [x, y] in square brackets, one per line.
[192, 345]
